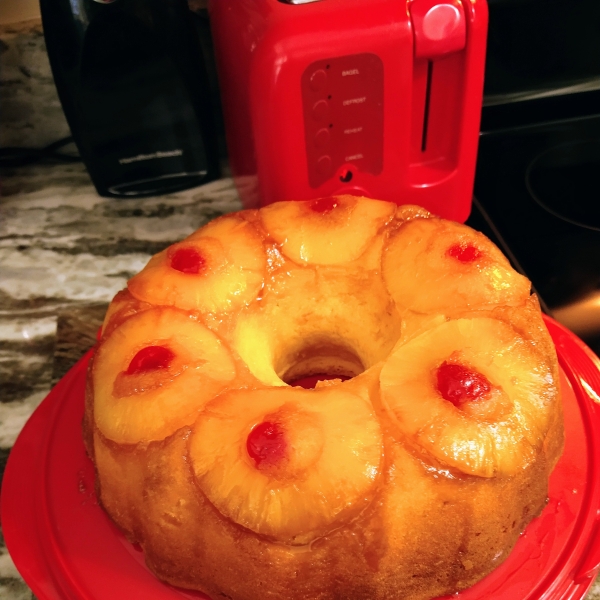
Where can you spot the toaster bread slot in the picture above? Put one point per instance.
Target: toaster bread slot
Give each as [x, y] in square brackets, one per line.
[438, 94]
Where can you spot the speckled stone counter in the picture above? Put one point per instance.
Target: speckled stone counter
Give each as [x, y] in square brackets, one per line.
[64, 253]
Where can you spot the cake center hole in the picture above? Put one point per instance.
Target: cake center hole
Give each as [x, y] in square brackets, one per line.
[321, 361]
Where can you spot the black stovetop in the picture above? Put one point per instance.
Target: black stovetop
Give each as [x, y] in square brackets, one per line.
[537, 194]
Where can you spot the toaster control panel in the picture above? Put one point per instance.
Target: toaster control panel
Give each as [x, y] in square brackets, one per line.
[342, 101]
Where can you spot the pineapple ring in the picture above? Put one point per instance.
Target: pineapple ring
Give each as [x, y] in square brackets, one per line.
[216, 269]
[344, 226]
[430, 265]
[325, 473]
[142, 405]
[497, 435]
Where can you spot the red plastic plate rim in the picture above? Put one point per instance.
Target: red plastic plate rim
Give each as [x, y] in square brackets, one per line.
[66, 548]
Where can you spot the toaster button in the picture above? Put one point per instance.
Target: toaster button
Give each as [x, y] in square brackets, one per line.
[322, 138]
[439, 27]
[318, 80]
[324, 165]
[343, 121]
[321, 110]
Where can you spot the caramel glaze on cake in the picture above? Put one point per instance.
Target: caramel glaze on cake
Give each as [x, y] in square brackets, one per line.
[409, 476]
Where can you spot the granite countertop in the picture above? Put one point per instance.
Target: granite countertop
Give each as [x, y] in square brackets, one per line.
[64, 253]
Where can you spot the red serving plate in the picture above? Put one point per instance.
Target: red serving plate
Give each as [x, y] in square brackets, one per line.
[66, 548]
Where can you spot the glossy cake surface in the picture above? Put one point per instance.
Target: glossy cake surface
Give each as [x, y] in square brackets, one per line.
[383, 481]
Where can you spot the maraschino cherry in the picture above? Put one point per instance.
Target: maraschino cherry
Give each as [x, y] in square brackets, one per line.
[187, 260]
[464, 253]
[266, 444]
[150, 358]
[459, 384]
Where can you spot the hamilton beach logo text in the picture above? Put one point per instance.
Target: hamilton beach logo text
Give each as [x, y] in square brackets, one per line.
[159, 154]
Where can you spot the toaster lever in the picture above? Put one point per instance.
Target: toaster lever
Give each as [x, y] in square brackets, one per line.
[439, 27]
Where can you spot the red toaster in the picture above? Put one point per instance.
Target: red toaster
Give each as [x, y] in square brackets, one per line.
[380, 98]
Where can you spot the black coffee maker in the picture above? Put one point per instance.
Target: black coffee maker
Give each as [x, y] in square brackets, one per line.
[133, 85]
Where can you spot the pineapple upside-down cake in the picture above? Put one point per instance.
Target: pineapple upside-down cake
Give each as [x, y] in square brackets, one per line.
[408, 474]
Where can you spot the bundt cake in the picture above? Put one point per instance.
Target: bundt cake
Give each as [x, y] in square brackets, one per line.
[438, 394]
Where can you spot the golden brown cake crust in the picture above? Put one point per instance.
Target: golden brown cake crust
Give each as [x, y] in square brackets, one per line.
[421, 518]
